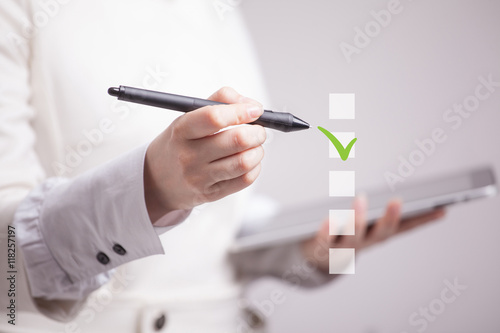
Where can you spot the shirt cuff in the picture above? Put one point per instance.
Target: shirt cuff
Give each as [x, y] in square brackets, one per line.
[74, 232]
[45, 276]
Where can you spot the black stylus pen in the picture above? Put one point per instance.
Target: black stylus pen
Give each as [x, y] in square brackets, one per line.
[281, 121]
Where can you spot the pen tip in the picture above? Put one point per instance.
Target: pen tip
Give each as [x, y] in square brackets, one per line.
[299, 124]
[113, 91]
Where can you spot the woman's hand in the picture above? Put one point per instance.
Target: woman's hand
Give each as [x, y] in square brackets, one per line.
[316, 249]
[190, 163]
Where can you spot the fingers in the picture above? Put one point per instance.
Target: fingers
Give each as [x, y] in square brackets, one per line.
[360, 205]
[230, 142]
[387, 224]
[211, 119]
[187, 164]
[227, 187]
[421, 220]
[230, 96]
[236, 165]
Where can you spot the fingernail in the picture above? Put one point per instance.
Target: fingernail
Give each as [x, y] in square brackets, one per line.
[254, 111]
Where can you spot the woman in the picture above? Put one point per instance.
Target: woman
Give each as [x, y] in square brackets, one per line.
[92, 184]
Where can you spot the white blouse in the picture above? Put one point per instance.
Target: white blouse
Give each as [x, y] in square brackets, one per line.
[71, 161]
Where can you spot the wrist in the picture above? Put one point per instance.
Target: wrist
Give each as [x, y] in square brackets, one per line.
[152, 195]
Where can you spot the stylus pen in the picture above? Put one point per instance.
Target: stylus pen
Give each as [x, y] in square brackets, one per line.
[281, 121]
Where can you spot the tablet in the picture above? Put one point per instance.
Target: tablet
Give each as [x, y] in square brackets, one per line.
[301, 222]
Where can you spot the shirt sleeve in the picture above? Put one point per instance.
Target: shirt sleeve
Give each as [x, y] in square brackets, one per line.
[70, 233]
[73, 232]
[20, 168]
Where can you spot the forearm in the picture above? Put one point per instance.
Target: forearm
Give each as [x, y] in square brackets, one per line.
[73, 233]
[287, 262]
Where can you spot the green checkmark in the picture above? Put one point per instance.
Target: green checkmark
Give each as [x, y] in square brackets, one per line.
[343, 152]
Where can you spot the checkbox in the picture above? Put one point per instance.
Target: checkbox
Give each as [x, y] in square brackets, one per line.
[341, 222]
[342, 106]
[345, 138]
[342, 261]
[341, 183]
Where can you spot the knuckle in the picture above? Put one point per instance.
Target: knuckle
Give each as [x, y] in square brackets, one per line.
[215, 175]
[241, 139]
[248, 179]
[220, 175]
[241, 114]
[211, 193]
[261, 134]
[214, 116]
[249, 136]
[260, 152]
[176, 128]
[226, 92]
[244, 163]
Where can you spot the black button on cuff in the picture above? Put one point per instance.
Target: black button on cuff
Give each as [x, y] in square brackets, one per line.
[160, 322]
[254, 319]
[119, 249]
[102, 258]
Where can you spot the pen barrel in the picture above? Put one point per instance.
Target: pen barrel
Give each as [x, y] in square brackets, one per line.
[281, 121]
[162, 100]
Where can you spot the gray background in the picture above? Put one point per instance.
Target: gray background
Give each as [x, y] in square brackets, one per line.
[429, 57]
